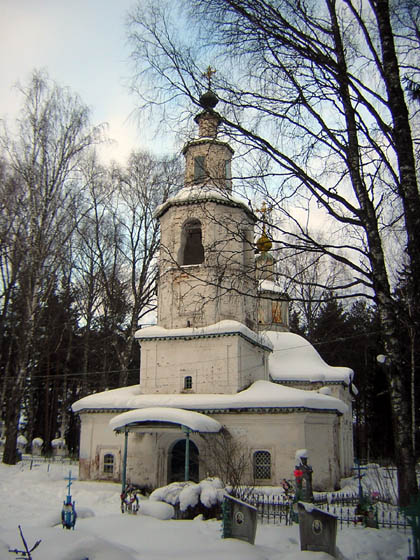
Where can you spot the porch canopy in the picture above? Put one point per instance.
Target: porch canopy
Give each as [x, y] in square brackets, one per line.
[162, 419]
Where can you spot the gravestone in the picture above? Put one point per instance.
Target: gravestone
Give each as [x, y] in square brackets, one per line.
[21, 443]
[36, 446]
[59, 447]
[317, 529]
[239, 520]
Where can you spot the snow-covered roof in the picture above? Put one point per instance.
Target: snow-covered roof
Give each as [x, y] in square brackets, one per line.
[200, 192]
[193, 420]
[295, 359]
[261, 394]
[223, 328]
[270, 286]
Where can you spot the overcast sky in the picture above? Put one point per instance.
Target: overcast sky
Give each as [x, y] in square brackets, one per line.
[82, 44]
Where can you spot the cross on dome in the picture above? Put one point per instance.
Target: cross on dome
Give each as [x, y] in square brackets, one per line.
[208, 74]
[263, 243]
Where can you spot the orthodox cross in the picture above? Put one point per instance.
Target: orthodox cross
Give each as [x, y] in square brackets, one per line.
[263, 211]
[70, 479]
[208, 74]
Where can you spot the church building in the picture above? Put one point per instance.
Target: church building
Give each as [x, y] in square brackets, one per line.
[220, 359]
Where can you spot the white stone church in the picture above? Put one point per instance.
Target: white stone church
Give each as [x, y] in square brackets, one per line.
[221, 348]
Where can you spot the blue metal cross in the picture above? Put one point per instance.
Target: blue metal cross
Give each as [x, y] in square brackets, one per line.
[70, 479]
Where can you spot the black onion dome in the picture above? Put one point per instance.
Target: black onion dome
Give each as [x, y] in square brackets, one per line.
[208, 100]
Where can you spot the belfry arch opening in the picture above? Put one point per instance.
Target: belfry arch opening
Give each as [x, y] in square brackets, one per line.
[176, 470]
[192, 250]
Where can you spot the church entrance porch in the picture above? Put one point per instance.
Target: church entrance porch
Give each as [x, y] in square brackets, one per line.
[162, 419]
[177, 460]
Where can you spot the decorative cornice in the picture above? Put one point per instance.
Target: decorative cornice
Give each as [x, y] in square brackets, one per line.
[307, 382]
[206, 140]
[205, 335]
[245, 410]
[200, 199]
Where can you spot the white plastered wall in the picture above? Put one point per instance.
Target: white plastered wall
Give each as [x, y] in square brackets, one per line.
[223, 364]
[281, 434]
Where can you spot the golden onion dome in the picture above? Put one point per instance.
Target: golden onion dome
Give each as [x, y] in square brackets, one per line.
[264, 244]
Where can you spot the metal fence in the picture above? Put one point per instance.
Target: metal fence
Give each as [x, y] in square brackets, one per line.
[272, 509]
[278, 509]
[385, 519]
[31, 461]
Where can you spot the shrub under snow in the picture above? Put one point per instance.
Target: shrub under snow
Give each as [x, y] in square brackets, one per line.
[207, 494]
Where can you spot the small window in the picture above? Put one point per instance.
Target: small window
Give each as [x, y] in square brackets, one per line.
[262, 465]
[109, 463]
[188, 382]
[199, 168]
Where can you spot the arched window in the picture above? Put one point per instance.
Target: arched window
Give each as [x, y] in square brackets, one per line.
[109, 463]
[262, 465]
[188, 382]
[192, 250]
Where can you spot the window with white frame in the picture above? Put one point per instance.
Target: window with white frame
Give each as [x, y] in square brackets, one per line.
[262, 465]
[188, 382]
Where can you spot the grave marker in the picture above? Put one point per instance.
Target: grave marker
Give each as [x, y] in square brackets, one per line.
[239, 520]
[317, 529]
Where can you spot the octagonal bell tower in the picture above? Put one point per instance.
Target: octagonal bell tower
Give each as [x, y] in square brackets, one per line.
[206, 266]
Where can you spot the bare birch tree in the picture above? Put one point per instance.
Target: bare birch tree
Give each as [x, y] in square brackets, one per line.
[44, 154]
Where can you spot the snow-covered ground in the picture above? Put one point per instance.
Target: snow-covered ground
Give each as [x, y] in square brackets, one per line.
[33, 499]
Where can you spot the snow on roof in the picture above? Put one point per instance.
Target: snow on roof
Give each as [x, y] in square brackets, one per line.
[261, 394]
[295, 359]
[193, 420]
[270, 286]
[202, 192]
[222, 328]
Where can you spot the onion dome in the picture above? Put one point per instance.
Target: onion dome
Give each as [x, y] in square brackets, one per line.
[208, 100]
[263, 243]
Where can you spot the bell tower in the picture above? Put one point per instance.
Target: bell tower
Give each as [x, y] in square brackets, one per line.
[206, 264]
[206, 339]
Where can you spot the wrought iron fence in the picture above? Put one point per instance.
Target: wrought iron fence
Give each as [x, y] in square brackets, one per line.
[272, 509]
[386, 519]
[278, 509]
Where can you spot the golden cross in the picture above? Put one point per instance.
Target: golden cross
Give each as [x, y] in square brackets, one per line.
[263, 210]
[208, 74]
